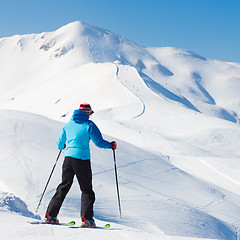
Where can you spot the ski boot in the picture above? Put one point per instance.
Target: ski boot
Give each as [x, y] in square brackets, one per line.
[50, 220]
[87, 223]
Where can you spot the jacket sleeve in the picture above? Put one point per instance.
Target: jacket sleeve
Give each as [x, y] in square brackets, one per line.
[61, 139]
[96, 136]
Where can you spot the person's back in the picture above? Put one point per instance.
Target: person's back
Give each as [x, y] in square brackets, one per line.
[78, 132]
[78, 139]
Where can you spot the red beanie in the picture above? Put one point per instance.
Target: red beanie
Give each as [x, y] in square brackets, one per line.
[86, 108]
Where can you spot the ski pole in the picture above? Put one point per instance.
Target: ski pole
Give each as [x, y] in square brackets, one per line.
[48, 180]
[115, 167]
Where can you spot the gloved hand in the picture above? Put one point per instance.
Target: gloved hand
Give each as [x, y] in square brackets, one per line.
[114, 145]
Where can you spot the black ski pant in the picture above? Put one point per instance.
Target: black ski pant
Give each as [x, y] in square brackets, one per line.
[82, 170]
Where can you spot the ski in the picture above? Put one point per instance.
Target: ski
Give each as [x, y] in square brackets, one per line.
[72, 223]
[107, 226]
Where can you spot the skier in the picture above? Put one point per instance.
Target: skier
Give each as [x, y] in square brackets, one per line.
[75, 136]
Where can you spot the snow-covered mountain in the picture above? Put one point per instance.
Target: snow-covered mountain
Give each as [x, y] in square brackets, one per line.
[175, 116]
[73, 56]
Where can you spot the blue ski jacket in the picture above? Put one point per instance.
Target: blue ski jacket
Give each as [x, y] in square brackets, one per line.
[77, 134]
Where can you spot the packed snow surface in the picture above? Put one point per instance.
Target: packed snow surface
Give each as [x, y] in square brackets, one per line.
[175, 117]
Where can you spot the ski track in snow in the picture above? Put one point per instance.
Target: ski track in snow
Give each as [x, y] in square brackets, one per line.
[24, 160]
[133, 91]
[218, 172]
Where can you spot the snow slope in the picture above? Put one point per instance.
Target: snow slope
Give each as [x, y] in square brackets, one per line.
[156, 196]
[173, 113]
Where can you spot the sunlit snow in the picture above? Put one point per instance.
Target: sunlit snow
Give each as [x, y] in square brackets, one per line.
[174, 115]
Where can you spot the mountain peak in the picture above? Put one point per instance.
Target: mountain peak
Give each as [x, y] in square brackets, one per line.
[176, 75]
[76, 26]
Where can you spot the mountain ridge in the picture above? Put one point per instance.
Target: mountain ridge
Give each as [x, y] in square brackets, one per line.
[177, 75]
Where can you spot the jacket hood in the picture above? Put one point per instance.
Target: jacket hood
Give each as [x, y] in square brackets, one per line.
[79, 116]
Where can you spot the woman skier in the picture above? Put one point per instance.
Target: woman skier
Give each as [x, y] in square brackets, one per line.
[75, 136]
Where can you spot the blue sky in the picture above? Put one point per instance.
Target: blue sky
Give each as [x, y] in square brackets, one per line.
[210, 28]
